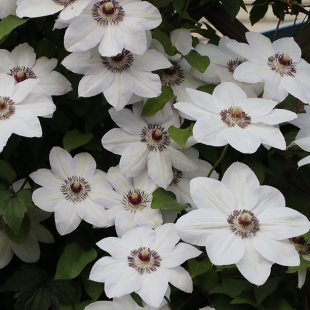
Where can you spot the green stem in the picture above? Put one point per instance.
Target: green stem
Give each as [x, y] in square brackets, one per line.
[182, 13]
[220, 159]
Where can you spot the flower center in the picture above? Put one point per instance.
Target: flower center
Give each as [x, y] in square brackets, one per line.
[155, 136]
[177, 176]
[7, 108]
[118, 63]
[243, 223]
[75, 189]
[173, 75]
[108, 12]
[135, 200]
[2, 224]
[282, 63]
[234, 63]
[21, 74]
[64, 2]
[235, 116]
[302, 245]
[144, 260]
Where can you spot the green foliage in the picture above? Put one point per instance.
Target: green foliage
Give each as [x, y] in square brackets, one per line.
[258, 11]
[207, 88]
[232, 7]
[160, 3]
[179, 135]
[9, 23]
[93, 289]
[22, 233]
[178, 4]
[153, 105]
[231, 287]
[277, 303]
[6, 171]
[72, 261]
[165, 41]
[166, 200]
[201, 63]
[137, 299]
[74, 138]
[263, 291]
[197, 268]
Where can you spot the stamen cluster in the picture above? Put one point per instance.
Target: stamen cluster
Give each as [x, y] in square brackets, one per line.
[75, 189]
[235, 116]
[302, 245]
[243, 223]
[118, 63]
[156, 137]
[64, 2]
[144, 260]
[173, 75]
[177, 175]
[234, 63]
[7, 108]
[108, 12]
[135, 200]
[21, 74]
[282, 64]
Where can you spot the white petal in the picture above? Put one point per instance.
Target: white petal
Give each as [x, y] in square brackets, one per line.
[143, 181]
[304, 161]
[6, 61]
[36, 8]
[244, 185]
[24, 54]
[73, 9]
[178, 277]
[217, 55]
[191, 110]
[180, 161]
[124, 221]
[224, 247]
[6, 85]
[228, 95]
[26, 124]
[66, 217]
[133, 159]
[261, 43]
[181, 253]
[105, 305]
[22, 89]
[120, 91]
[182, 39]
[45, 177]
[29, 250]
[6, 130]
[275, 117]
[6, 252]
[120, 183]
[47, 199]
[139, 237]
[282, 223]
[212, 194]
[197, 225]
[297, 86]
[272, 86]
[93, 85]
[117, 140]
[166, 238]
[44, 66]
[254, 267]
[287, 46]
[115, 247]
[84, 33]
[148, 217]
[62, 164]
[210, 130]
[41, 233]
[281, 252]
[159, 167]
[251, 72]
[86, 165]
[153, 289]
[257, 107]
[92, 213]
[302, 272]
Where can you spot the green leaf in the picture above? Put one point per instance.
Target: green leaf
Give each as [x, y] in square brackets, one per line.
[166, 200]
[180, 136]
[307, 235]
[207, 88]
[26, 196]
[165, 41]
[6, 171]
[160, 3]
[201, 63]
[9, 23]
[73, 139]
[220, 268]
[303, 264]
[137, 299]
[232, 7]
[263, 291]
[153, 105]
[93, 289]
[178, 5]
[231, 287]
[247, 297]
[257, 168]
[207, 281]
[197, 268]
[73, 260]
[23, 232]
[258, 11]
[12, 209]
[277, 303]
[289, 102]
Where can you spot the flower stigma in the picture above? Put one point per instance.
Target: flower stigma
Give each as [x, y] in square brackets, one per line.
[156, 137]
[235, 116]
[144, 260]
[75, 189]
[108, 12]
[135, 200]
[21, 74]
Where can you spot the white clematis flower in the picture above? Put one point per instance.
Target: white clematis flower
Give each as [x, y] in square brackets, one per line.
[144, 261]
[19, 109]
[118, 77]
[37, 8]
[223, 62]
[129, 205]
[8, 7]
[207, 308]
[22, 65]
[140, 144]
[302, 246]
[115, 25]
[303, 137]
[69, 189]
[240, 222]
[126, 303]
[279, 65]
[228, 116]
[181, 179]
[29, 250]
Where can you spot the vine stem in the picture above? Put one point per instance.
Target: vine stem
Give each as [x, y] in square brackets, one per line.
[220, 159]
[183, 12]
